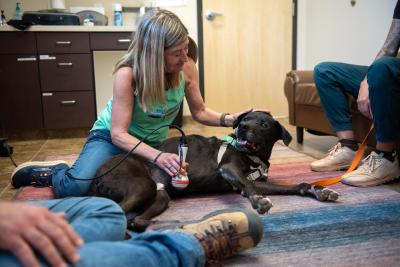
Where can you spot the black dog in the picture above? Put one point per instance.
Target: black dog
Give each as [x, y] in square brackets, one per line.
[141, 187]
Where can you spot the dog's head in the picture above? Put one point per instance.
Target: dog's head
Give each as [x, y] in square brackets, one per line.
[256, 132]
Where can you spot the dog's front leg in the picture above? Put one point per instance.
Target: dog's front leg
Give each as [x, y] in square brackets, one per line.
[304, 189]
[234, 176]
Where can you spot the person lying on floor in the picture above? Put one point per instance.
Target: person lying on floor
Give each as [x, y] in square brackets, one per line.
[90, 231]
[377, 89]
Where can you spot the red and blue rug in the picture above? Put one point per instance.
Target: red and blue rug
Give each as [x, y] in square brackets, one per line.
[361, 229]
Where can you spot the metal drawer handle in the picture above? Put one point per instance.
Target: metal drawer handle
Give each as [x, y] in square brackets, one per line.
[124, 40]
[26, 59]
[68, 102]
[46, 57]
[63, 43]
[66, 64]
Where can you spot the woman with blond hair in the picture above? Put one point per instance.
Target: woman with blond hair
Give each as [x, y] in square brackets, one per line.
[150, 83]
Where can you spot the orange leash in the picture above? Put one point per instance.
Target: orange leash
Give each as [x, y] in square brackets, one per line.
[353, 166]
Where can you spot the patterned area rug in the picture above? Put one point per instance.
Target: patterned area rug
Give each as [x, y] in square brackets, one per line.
[361, 229]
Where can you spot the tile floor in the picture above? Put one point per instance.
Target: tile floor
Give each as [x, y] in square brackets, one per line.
[39, 145]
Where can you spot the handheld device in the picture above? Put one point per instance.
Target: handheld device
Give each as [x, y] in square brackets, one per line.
[180, 181]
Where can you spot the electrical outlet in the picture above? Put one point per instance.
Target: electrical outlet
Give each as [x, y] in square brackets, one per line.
[6, 150]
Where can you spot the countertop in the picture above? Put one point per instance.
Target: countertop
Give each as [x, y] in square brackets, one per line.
[46, 28]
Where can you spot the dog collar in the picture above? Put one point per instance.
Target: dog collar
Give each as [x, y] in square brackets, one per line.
[229, 140]
[257, 172]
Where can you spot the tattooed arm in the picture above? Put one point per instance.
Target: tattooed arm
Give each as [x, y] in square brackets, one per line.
[389, 48]
[392, 43]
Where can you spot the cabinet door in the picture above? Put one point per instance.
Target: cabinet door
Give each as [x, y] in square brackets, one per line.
[20, 96]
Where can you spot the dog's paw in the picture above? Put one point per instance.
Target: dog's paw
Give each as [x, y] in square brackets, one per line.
[260, 203]
[324, 194]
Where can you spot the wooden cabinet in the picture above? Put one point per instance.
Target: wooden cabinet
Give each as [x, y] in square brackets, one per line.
[66, 79]
[46, 81]
[47, 78]
[20, 96]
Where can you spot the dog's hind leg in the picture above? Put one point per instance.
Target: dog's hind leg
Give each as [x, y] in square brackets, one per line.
[304, 189]
[160, 204]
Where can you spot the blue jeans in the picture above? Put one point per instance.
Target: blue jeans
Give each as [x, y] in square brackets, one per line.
[335, 80]
[97, 149]
[101, 224]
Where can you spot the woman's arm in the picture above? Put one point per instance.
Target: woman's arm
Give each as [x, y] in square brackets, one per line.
[121, 115]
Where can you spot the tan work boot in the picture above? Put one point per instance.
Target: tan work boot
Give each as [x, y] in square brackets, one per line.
[374, 170]
[338, 158]
[225, 233]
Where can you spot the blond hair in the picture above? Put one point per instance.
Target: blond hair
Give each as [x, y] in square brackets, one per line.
[157, 31]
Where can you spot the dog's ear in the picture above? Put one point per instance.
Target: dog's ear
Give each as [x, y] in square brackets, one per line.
[238, 119]
[284, 134]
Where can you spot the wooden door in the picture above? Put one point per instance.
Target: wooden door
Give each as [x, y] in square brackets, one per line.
[247, 52]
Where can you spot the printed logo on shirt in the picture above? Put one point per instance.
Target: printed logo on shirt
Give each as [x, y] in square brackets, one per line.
[163, 112]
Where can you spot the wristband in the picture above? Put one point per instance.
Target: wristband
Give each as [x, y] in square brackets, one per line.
[158, 155]
[222, 119]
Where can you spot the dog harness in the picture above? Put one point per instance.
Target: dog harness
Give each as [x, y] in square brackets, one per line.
[260, 170]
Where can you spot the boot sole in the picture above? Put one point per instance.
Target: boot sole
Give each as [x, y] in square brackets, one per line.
[38, 163]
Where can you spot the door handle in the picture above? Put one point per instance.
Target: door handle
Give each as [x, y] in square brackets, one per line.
[210, 15]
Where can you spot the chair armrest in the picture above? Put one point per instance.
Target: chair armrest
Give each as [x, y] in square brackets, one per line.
[301, 76]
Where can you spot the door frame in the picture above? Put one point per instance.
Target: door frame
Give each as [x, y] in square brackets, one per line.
[200, 43]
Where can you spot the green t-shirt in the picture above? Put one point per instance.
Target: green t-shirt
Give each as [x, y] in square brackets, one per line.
[143, 123]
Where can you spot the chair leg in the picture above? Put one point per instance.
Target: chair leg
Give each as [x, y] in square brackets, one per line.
[299, 134]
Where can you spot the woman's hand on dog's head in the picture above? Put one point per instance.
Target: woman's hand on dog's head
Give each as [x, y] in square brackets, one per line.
[170, 163]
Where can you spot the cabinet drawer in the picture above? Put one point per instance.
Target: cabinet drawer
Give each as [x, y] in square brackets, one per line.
[66, 72]
[110, 41]
[63, 42]
[17, 43]
[68, 109]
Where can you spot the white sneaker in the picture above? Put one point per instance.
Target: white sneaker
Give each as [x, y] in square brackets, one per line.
[374, 170]
[338, 158]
